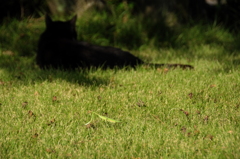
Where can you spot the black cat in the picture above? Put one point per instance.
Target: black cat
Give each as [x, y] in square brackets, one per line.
[58, 48]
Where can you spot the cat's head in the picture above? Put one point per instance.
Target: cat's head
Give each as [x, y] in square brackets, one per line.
[62, 29]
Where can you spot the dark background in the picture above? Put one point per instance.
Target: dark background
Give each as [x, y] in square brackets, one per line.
[187, 10]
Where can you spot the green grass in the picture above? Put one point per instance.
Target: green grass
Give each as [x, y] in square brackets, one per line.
[163, 113]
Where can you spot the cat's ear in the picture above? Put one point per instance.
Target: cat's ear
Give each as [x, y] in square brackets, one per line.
[73, 20]
[48, 20]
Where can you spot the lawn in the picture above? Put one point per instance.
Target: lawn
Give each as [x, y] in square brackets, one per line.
[163, 113]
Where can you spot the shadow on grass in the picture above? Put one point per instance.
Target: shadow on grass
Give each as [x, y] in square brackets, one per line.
[188, 40]
[210, 42]
[18, 43]
[24, 69]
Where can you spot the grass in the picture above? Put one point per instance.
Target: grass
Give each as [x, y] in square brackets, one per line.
[163, 113]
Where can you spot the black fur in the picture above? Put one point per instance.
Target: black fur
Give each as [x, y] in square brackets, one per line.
[58, 48]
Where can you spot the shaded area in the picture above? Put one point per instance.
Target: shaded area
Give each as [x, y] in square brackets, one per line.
[20, 9]
[126, 30]
[21, 68]
[222, 11]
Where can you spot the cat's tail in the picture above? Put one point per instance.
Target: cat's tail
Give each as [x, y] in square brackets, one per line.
[182, 66]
